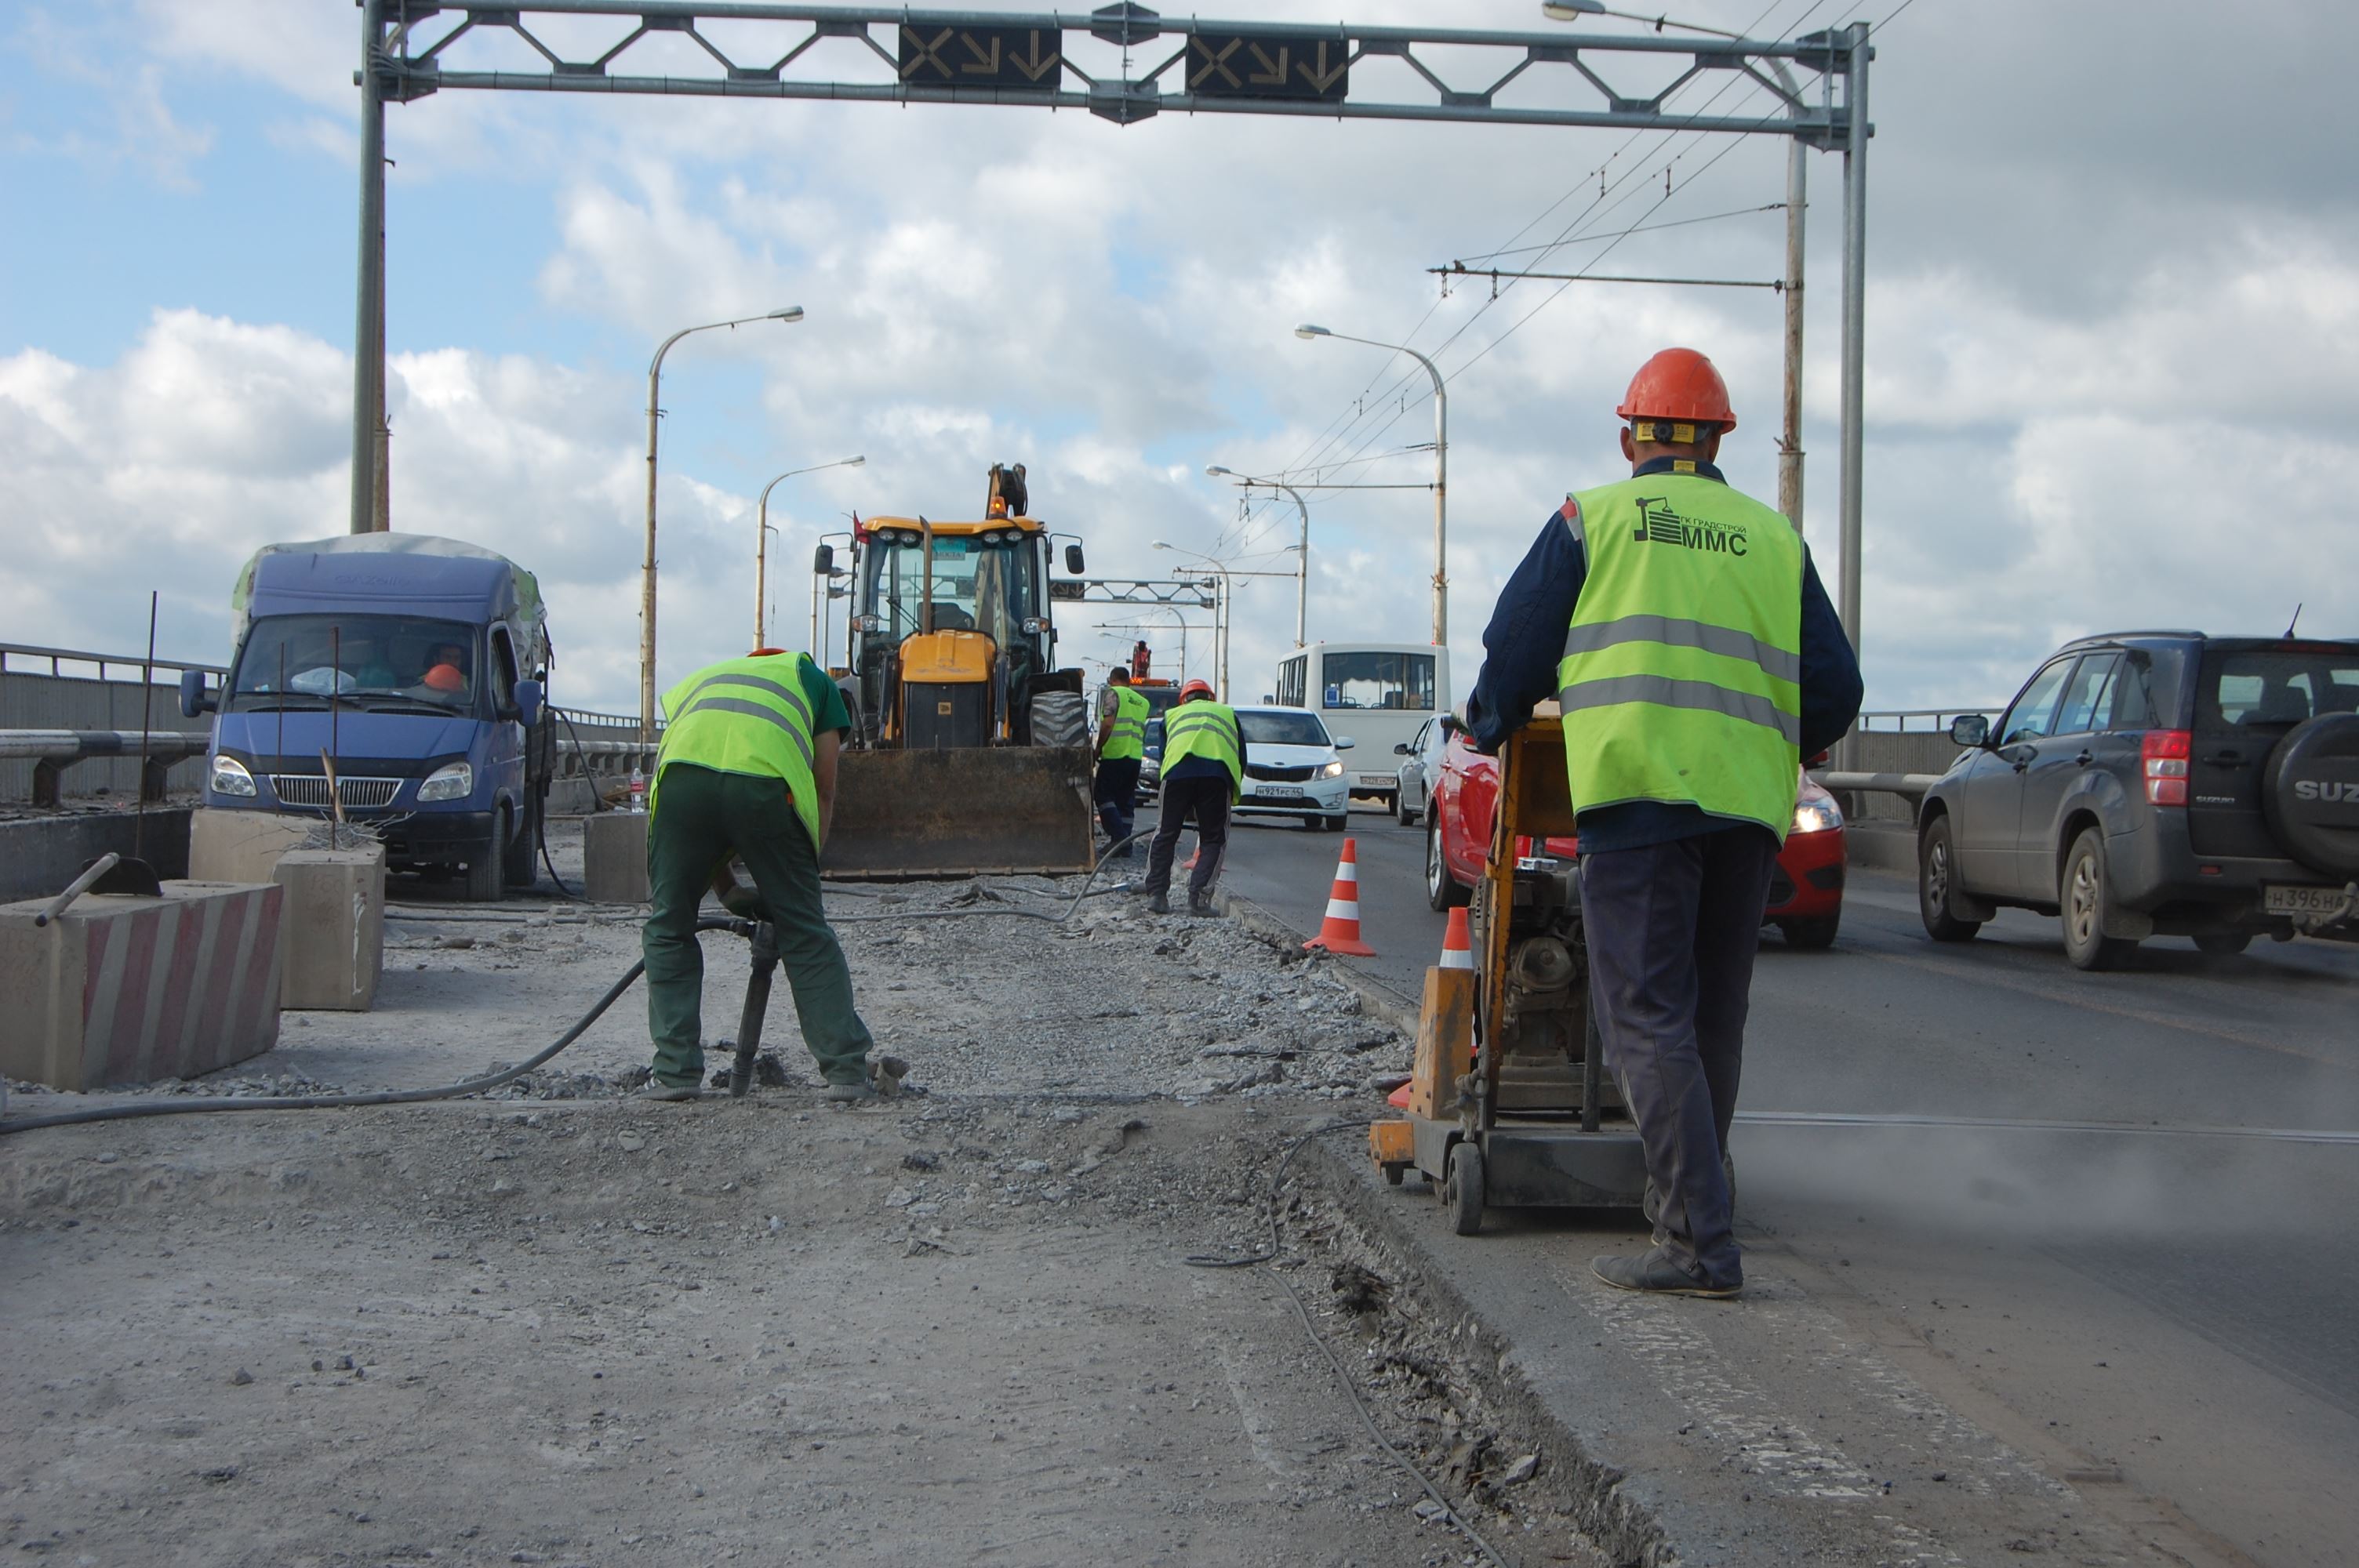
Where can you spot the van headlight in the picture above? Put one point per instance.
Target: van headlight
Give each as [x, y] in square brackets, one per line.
[230, 777]
[1334, 769]
[1820, 814]
[451, 781]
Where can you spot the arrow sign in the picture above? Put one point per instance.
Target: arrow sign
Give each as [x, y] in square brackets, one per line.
[1270, 63]
[1028, 58]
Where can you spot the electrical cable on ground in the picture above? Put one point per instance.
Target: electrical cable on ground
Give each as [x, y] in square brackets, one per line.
[1342, 1374]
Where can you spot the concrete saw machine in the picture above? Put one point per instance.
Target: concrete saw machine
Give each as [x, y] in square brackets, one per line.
[1510, 1105]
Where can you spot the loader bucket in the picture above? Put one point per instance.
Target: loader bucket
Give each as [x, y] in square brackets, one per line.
[901, 815]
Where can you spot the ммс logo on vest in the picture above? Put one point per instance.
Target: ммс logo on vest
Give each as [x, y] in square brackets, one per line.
[1659, 524]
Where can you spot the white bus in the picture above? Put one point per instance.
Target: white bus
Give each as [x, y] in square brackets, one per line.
[1379, 693]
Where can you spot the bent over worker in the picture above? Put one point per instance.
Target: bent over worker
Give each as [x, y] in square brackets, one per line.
[747, 767]
[1683, 629]
[1122, 747]
[1203, 765]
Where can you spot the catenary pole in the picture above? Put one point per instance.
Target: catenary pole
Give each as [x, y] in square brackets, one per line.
[369, 318]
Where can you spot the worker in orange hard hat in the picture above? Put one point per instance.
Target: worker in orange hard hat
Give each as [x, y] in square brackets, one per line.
[1203, 769]
[1683, 632]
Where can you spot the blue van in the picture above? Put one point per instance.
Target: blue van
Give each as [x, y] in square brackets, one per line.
[413, 668]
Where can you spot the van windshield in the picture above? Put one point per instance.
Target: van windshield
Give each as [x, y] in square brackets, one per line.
[1282, 729]
[387, 661]
[2277, 686]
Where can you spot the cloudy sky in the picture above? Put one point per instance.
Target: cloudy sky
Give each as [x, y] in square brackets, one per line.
[2113, 359]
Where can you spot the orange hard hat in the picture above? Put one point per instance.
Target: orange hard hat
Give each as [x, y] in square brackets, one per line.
[1195, 688]
[445, 677]
[1679, 384]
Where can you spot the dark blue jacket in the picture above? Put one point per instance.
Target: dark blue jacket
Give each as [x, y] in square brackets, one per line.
[1525, 639]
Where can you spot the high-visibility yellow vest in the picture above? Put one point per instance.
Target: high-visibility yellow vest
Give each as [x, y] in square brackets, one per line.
[1127, 729]
[1681, 680]
[744, 716]
[1203, 728]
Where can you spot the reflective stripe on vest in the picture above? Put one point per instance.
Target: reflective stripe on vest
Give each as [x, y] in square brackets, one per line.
[739, 718]
[1127, 731]
[1203, 728]
[1681, 676]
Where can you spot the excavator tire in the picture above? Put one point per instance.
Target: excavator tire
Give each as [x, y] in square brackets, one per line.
[1060, 719]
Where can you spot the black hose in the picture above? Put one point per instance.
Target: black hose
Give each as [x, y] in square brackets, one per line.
[193, 1106]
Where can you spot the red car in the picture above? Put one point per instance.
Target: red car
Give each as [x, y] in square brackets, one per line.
[1805, 892]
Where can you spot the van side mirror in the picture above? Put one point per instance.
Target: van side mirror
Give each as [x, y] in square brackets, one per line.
[823, 560]
[528, 699]
[194, 698]
[1970, 729]
[1073, 559]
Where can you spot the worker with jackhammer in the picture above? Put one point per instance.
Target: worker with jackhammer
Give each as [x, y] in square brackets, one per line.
[1203, 767]
[1683, 631]
[1122, 747]
[748, 768]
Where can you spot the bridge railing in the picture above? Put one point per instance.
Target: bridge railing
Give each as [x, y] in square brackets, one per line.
[74, 690]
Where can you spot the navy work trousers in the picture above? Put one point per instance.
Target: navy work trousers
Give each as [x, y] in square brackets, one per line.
[1117, 793]
[1672, 931]
[1206, 801]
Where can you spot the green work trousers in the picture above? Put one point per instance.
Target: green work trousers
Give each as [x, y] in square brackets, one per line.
[702, 818]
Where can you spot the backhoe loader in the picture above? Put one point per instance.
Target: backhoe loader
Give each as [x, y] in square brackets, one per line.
[970, 748]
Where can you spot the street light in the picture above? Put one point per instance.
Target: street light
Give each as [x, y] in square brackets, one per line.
[762, 537]
[790, 315]
[1440, 471]
[1220, 615]
[1302, 559]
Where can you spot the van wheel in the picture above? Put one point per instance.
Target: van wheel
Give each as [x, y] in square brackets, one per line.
[2088, 896]
[487, 880]
[1442, 890]
[520, 872]
[1936, 882]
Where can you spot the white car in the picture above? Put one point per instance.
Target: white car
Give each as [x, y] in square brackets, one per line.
[1293, 769]
[1421, 765]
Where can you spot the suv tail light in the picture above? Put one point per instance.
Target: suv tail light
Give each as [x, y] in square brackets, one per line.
[2162, 757]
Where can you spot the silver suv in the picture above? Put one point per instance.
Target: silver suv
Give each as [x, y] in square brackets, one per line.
[2151, 783]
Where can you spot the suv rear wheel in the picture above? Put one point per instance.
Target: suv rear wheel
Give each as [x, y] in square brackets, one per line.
[1937, 878]
[2088, 897]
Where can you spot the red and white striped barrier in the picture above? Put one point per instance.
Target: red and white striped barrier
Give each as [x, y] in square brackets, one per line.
[125, 989]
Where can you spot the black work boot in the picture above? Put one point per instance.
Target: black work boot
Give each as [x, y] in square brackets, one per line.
[1657, 1273]
[1201, 904]
[1159, 904]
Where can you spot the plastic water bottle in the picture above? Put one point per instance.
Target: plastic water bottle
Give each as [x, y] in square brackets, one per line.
[638, 790]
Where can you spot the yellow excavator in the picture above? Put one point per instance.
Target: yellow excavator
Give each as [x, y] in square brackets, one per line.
[970, 752]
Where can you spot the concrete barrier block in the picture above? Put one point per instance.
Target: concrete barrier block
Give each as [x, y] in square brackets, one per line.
[614, 858]
[123, 989]
[333, 927]
[241, 845]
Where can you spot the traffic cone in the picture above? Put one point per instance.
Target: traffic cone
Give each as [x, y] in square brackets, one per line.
[1457, 953]
[1457, 948]
[1339, 931]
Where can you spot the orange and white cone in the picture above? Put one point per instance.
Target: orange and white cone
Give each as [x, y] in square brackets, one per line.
[1339, 931]
[1457, 948]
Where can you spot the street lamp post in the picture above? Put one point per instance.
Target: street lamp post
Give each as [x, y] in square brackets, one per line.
[762, 536]
[1220, 614]
[1302, 557]
[790, 315]
[1440, 471]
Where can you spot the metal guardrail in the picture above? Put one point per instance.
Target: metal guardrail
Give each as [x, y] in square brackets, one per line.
[56, 656]
[51, 752]
[1938, 719]
[1913, 785]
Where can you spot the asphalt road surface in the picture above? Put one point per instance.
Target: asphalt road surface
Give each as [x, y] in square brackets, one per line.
[2168, 1316]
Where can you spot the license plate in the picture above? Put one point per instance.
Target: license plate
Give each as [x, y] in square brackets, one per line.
[1380, 778]
[2279, 899]
[1280, 792]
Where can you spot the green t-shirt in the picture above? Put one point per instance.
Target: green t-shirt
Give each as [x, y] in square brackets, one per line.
[826, 699]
